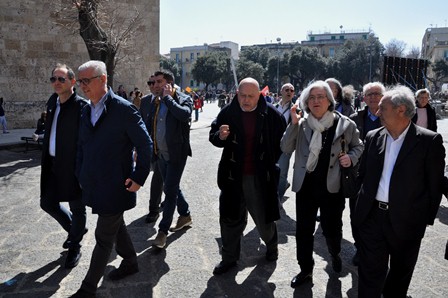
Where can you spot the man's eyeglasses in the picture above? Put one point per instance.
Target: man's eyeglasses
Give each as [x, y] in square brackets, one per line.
[86, 81]
[317, 98]
[150, 83]
[60, 79]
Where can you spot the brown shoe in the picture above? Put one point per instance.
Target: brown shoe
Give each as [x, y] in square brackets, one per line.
[182, 222]
[160, 240]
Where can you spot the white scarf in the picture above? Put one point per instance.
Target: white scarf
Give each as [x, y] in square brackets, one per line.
[318, 126]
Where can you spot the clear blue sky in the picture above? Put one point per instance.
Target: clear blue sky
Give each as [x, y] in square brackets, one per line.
[248, 22]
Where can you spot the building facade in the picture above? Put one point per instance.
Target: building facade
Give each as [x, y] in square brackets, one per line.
[435, 47]
[32, 41]
[186, 57]
[328, 42]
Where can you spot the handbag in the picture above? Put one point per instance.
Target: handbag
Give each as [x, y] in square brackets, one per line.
[349, 187]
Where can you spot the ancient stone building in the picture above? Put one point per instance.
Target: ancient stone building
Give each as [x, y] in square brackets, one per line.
[32, 41]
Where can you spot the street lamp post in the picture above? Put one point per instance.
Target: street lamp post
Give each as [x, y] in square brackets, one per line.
[278, 63]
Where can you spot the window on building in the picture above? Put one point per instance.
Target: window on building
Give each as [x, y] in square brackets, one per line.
[312, 38]
[191, 57]
[177, 58]
[364, 36]
[191, 83]
[341, 37]
[331, 52]
[333, 37]
[197, 55]
[445, 55]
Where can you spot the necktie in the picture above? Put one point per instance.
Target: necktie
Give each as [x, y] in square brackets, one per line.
[154, 126]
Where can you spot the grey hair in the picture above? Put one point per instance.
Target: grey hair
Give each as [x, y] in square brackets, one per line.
[303, 99]
[371, 85]
[99, 67]
[422, 91]
[402, 95]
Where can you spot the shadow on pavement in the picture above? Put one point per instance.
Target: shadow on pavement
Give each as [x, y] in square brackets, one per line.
[26, 281]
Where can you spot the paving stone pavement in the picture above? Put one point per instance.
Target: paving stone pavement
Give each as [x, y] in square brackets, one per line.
[32, 258]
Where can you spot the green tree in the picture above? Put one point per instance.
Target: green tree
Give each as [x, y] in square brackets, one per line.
[211, 68]
[282, 65]
[357, 62]
[257, 55]
[440, 71]
[247, 68]
[171, 65]
[305, 65]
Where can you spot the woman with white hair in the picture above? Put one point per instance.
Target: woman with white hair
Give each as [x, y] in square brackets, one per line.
[319, 156]
[425, 115]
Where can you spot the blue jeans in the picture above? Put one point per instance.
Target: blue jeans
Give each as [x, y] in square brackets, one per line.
[171, 174]
[73, 221]
[283, 163]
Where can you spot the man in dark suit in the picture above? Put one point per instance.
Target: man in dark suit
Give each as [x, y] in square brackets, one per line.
[111, 129]
[402, 172]
[155, 195]
[58, 180]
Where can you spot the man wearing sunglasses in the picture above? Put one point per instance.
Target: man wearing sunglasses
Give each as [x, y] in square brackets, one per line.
[155, 195]
[284, 107]
[111, 129]
[58, 181]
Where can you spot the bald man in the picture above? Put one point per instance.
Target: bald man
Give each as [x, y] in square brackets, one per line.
[249, 131]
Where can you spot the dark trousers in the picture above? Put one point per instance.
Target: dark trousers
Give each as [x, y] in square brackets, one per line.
[355, 233]
[232, 229]
[73, 221]
[380, 246]
[110, 230]
[171, 174]
[155, 195]
[331, 207]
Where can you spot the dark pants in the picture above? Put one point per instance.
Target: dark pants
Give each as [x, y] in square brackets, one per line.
[110, 230]
[331, 207]
[379, 245]
[155, 195]
[73, 221]
[171, 174]
[232, 229]
[355, 232]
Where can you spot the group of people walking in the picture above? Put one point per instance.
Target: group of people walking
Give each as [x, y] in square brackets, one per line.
[99, 151]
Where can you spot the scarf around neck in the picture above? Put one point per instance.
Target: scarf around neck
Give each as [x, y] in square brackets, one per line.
[318, 126]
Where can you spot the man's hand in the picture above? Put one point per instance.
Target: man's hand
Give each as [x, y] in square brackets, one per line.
[224, 131]
[131, 185]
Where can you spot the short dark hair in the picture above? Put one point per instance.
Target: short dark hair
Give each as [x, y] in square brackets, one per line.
[167, 75]
[70, 72]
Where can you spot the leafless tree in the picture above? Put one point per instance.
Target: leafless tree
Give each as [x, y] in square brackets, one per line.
[106, 31]
[395, 48]
[414, 52]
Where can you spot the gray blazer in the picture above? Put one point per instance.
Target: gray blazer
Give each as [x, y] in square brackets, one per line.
[297, 137]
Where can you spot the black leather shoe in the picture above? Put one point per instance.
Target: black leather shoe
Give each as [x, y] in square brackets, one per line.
[152, 217]
[82, 294]
[223, 267]
[272, 255]
[336, 263]
[301, 278]
[123, 271]
[66, 243]
[73, 256]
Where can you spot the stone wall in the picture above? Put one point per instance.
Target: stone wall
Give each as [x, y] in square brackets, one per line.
[32, 42]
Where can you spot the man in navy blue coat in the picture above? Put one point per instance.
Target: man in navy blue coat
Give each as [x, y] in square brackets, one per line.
[111, 129]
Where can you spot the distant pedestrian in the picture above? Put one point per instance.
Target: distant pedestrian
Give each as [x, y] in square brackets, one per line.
[111, 129]
[197, 107]
[425, 115]
[121, 92]
[3, 117]
[59, 150]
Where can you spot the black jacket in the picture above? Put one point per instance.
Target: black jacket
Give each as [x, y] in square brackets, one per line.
[432, 119]
[269, 131]
[64, 185]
